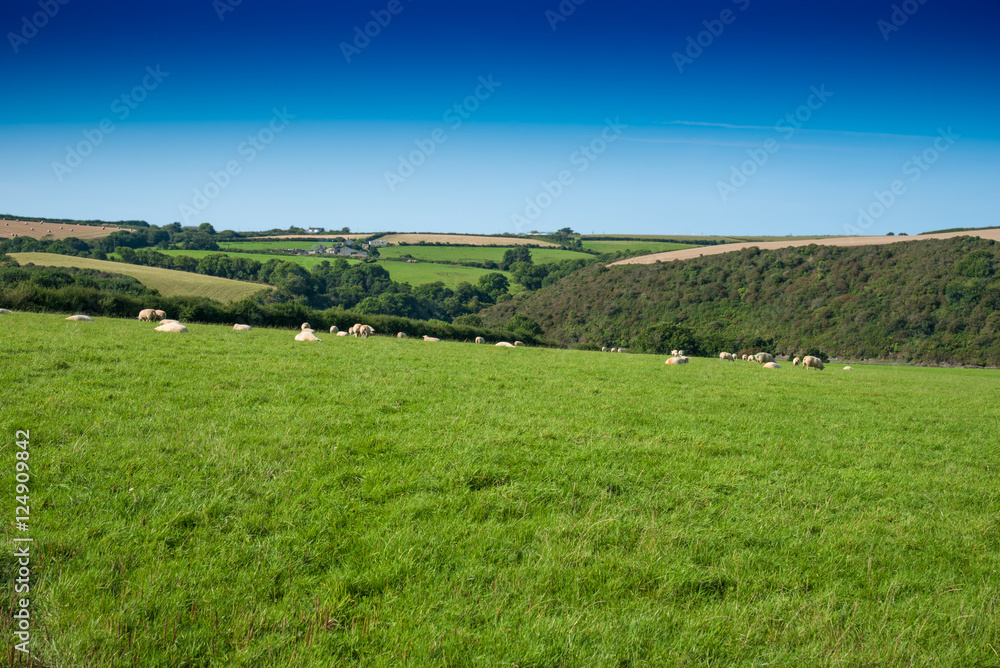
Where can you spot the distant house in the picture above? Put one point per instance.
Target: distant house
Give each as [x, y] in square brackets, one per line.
[316, 230]
[351, 252]
[379, 242]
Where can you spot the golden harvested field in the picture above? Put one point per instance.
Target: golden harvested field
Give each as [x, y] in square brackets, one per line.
[691, 253]
[169, 282]
[30, 228]
[463, 239]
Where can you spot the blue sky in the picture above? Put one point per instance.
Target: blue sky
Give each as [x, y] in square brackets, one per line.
[727, 117]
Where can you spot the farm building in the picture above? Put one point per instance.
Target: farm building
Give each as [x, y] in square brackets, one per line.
[316, 230]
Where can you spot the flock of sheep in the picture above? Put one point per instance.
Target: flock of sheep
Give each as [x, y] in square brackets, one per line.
[363, 331]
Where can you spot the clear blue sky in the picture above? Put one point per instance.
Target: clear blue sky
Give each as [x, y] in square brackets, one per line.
[312, 132]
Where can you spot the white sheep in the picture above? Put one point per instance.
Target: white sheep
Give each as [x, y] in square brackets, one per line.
[170, 322]
[480, 339]
[604, 349]
[3, 310]
[174, 327]
[677, 359]
[306, 335]
[518, 344]
[334, 330]
[432, 339]
[149, 315]
[504, 344]
[771, 365]
[81, 318]
[728, 357]
[673, 353]
[795, 362]
[242, 328]
[305, 328]
[401, 335]
[342, 334]
[366, 331]
[810, 362]
[848, 368]
[764, 357]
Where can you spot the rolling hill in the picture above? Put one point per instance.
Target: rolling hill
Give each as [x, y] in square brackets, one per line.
[930, 301]
[168, 281]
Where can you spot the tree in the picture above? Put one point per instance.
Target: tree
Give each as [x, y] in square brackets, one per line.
[515, 255]
[493, 285]
[206, 228]
[522, 324]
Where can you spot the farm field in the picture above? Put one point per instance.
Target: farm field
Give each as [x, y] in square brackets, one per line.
[317, 238]
[269, 245]
[476, 253]
[401, 272]
[648, 246]
[465, 508]
[168, 281]
[789, 242]
[466, 239]
[36, 230]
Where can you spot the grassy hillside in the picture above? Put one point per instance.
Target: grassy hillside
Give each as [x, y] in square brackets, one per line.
[632, 245]
[169, 282]
[927, 301]
[475, 253]
[398, 502]
[401, 272]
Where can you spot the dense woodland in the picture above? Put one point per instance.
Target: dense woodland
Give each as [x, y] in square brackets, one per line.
[936, 301]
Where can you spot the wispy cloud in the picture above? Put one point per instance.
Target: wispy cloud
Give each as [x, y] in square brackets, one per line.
[843, 133]
[748, 144]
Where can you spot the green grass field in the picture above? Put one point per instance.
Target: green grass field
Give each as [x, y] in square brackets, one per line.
[476, 253]
[168, 281]
[241, 499]
[279, 244]
[401, 272]
[649, 246]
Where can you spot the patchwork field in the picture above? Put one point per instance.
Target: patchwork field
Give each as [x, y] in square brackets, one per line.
[238, 498]
[647, 246]
[465, 239]
[25, 228]
[168, 281]
[401, 272]
[790, 242]
[476, 253]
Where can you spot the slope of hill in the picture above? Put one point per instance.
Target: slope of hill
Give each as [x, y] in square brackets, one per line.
[935, 301]
[793, 242]
[168, 281]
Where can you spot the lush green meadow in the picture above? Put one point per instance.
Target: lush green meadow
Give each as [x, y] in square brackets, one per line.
[401, 272]
[476, 253]
[169, 282]
[242, 499]
[647, 246]
[277, 244]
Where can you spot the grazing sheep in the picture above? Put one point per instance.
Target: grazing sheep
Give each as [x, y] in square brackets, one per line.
[81, 318]
[401, 335]
[306, 335]
[242, 328]
[764, 357]
[149, 315]
[431, 338]
[848, 368]
[621, 350]
[519, 344]
[175, 327]
[342, 334]
[674, 353]
[604, 349]
[504, 344]
[677, 360]
[771, 365]
[795, 362]
[305, 328]
[334, 330]
[680, 353]
[366, 331]
[480, 339]
[3, 310]
[727, 357]
[160, 315]
[810, 362]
